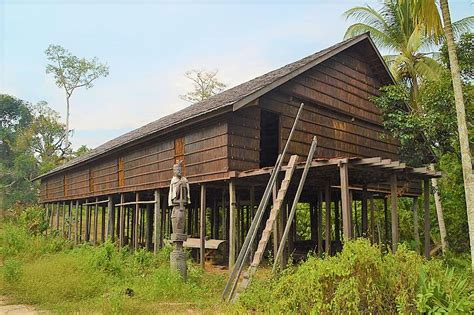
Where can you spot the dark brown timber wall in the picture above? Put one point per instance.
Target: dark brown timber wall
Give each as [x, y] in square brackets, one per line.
[204, 150]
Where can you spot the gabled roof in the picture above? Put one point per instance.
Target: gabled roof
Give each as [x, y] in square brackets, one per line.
[237, 97]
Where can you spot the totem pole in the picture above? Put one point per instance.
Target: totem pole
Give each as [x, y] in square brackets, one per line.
[178, 198]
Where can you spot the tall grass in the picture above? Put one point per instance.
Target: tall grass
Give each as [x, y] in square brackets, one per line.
[49, 272]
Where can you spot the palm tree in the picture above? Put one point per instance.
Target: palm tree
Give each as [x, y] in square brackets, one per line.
[427, 12]
[392, 29]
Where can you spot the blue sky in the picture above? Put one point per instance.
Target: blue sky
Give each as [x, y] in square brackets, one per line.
[149, 44]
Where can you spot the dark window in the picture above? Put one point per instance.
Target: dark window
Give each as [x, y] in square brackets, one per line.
[269, 138]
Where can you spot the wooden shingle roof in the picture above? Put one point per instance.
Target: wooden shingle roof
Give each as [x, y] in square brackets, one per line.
[237, 97]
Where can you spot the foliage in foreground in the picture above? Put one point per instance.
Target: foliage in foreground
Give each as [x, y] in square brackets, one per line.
[49, 272]
[361, 279]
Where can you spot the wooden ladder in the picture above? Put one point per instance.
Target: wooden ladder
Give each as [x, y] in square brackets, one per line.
[262, 244]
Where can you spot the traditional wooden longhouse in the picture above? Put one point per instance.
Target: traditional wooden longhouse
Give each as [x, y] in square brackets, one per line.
[228, 144]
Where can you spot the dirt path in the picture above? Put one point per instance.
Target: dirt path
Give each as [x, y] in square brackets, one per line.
[12, 309]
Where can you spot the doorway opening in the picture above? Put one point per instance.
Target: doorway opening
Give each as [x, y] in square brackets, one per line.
[269, 138]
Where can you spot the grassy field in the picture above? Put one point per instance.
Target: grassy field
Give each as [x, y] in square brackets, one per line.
[52, 274]
[49, 273]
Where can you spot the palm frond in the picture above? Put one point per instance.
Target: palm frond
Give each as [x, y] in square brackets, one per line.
[463, 25]
[428, 68]
[366, 15]
[380, 38]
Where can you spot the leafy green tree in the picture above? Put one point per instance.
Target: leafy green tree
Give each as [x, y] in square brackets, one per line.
[71, 73]
[205, 85]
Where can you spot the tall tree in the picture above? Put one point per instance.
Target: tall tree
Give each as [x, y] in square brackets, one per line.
[426, 12]
[205, 85]
[466, 158]
[71, 73]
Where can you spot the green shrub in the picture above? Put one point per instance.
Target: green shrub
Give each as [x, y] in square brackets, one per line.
[11, 271]
[361, 280]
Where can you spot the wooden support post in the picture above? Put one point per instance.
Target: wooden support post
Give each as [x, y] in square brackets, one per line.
[111, 219]
[385, 210]
[135, 222]
[76, 223]
[252, 214]
[88, 224]
[337, 224]
[51, 219]
[215, 219]
[313, 223]
[157, 226]
[320, 222]
[372, 219]
[69, 221]
[415, 225]
[80, 225]
[63, 225]
[202, 231]
[57, 216]
[345, 201]
[149, 227]
[232, 224]
[365, 217]
[102, 225]
[96, 221]
[327, 195]
[122, 222]
[394, 211]
[426, 206]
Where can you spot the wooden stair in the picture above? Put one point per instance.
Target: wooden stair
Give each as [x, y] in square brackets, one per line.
[262, 244]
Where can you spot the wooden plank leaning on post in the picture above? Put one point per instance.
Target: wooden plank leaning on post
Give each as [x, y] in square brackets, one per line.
[202, 232]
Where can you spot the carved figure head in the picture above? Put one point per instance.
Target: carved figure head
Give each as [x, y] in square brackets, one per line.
[178, 169]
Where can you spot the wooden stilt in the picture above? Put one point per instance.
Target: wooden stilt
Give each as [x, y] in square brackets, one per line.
[96, 221]
[385, 210]
[76, 223]
[122, 222]
[88, 224]
[149, 227]
[372, 219]
[426, 206]
[320, 222]
[57, 216]
[157, 223]
[365, 217]
[394, 211]
[337, 230]
[111, 219]
[327, 195]
[135, 222]
[232, 224]
[415, 225]
[63, 225]
[202, 232]
[69, 221]
[313, 223]
[103, 225]
[80, 225]
[345, 201]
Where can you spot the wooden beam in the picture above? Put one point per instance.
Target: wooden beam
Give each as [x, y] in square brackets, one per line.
[327, 195]
[345, 201]
[394, 211]
[426, 206]
[202, 231]
[232, 223]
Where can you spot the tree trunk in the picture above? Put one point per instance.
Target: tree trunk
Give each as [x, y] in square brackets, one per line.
[66, 138]
[439, 212]
[462, 126]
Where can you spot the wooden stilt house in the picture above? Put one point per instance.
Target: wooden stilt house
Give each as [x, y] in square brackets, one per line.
[228, 144]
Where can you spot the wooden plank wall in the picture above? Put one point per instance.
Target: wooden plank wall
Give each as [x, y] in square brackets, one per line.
[244, 139]
[147, 166]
